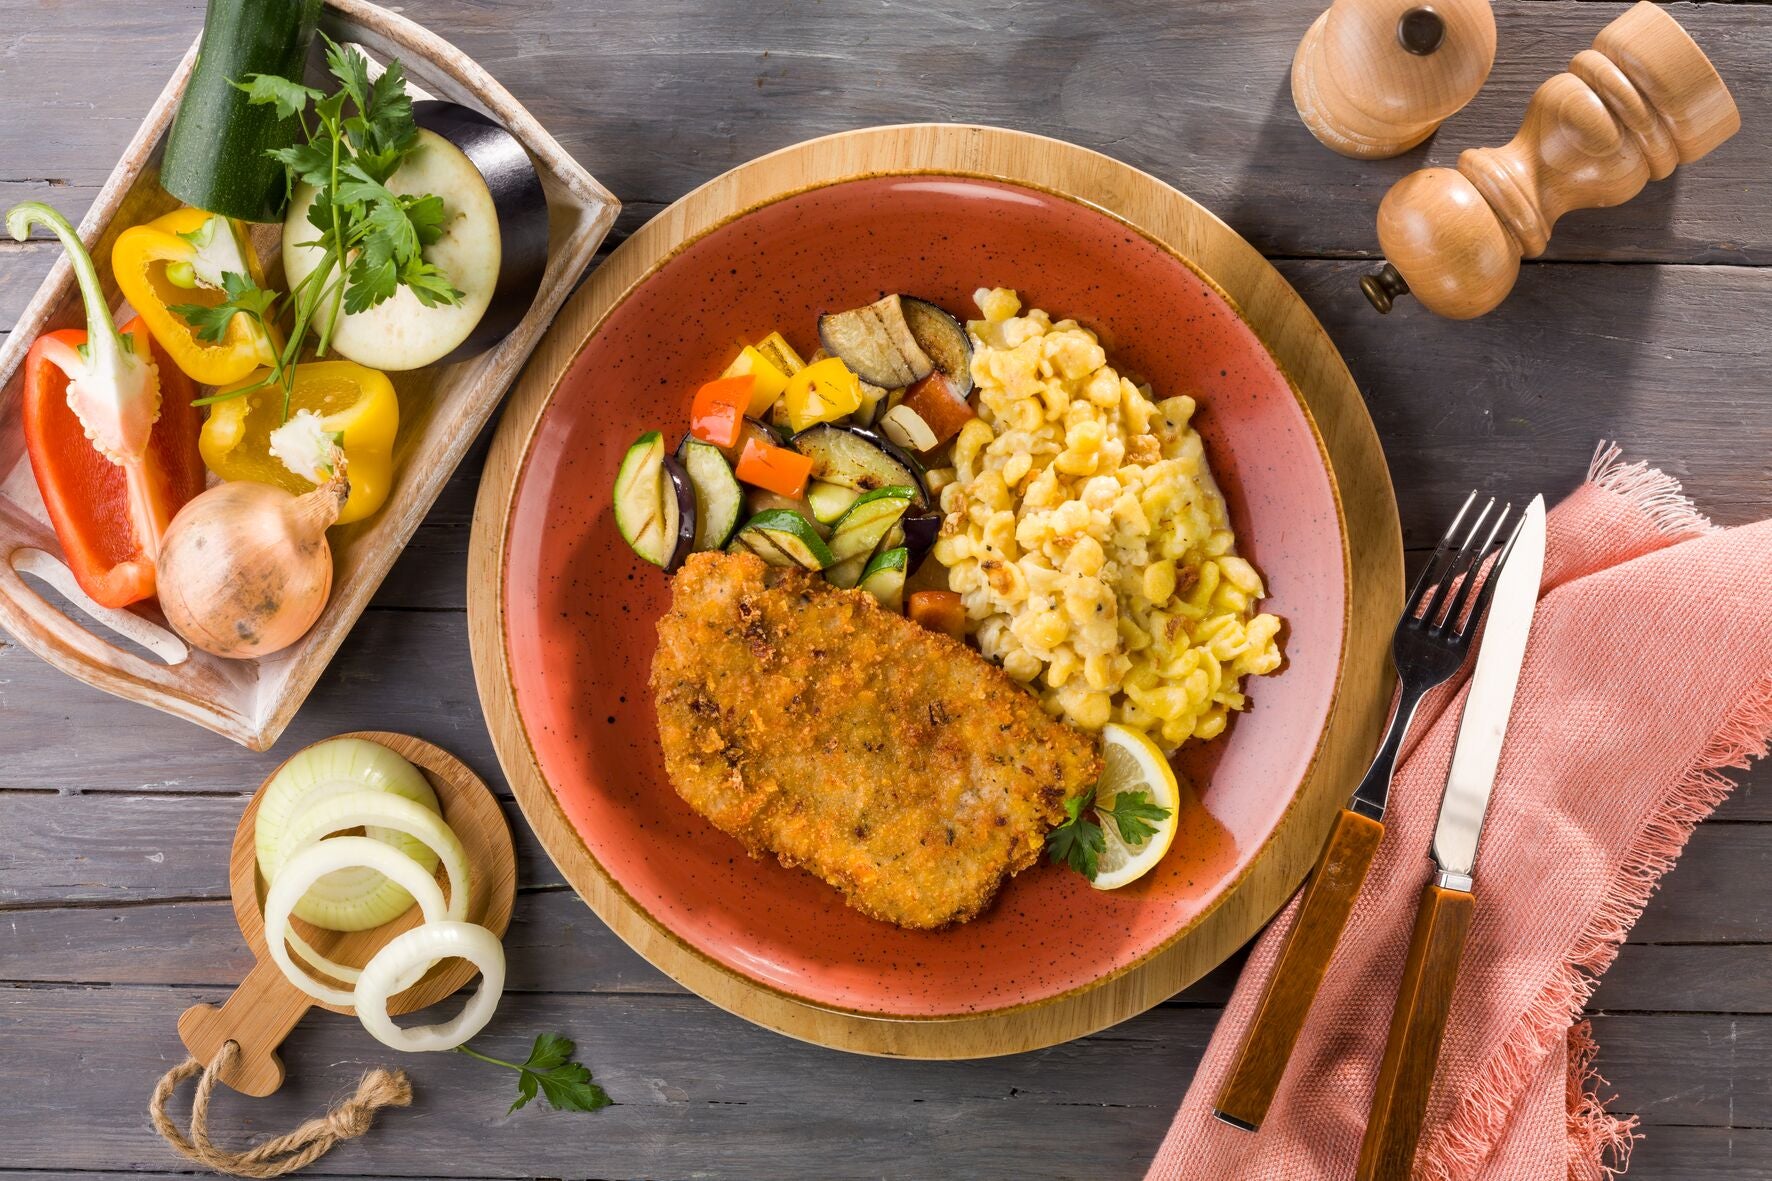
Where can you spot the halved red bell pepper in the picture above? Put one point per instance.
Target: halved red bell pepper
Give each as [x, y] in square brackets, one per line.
[111, 433]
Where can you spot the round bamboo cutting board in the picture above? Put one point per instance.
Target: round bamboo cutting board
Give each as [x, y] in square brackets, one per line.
[1372, 555]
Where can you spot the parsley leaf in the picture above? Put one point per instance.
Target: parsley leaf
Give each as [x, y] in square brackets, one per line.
[306, 163]
[1078, 841]
[242, 297]
[550, 1071]
[288, 97]
[430, 285]
[1135, 815]
[350, 68]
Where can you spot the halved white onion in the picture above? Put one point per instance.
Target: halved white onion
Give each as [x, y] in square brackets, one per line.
[355, 899]
[391, 970]
[392, 814]
[305, 867]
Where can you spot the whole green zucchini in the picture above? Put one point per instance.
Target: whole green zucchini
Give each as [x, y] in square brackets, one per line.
[215, 153]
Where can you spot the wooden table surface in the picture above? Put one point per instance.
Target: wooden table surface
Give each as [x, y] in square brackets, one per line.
[1650, 324]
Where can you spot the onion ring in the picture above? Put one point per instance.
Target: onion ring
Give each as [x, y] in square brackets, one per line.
[374, 808]
[390, 969]
[334, 853]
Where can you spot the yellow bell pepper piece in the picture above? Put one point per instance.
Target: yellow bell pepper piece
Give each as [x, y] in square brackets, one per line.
[353, 401]
[824, 391]
[769, 380]
[156, 269]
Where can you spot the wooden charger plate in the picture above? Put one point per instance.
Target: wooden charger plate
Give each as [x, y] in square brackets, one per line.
[716, 923]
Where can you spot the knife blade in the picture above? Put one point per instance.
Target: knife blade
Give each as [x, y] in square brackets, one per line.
[1483, 725]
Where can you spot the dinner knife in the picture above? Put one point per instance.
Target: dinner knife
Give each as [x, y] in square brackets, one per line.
[1443, 917]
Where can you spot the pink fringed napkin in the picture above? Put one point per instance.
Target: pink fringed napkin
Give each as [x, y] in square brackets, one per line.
[1649, 670]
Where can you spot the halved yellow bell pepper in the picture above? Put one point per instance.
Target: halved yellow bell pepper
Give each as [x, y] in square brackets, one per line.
[355, 402]
[179, 259]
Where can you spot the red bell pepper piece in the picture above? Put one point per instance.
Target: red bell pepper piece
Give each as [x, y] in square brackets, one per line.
[719, 409]
[776, 469]
[938, 403]
[111, 433]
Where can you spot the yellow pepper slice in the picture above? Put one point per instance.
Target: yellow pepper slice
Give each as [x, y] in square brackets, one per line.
[824, 391]
[141, 260]
[769, 383]
[352, 400]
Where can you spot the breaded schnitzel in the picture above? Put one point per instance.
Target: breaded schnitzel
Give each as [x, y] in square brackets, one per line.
[896, 764]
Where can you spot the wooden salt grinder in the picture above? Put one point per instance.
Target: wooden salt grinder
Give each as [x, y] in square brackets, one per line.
[1642, 100]
[1373, 78]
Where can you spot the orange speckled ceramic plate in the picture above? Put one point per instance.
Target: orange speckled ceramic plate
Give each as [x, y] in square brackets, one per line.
[579, 608]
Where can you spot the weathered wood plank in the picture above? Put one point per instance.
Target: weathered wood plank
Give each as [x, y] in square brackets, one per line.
[405, 671]
[1685, 978]
[675, 1066]
[1665, 360]
[1114, 1092]
[656, 98]
[115, 848]
[117, 853]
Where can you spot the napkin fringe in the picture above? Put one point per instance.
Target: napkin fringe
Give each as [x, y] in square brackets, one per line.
[1599, 1143]
[1459, 1150]
[1652, 491]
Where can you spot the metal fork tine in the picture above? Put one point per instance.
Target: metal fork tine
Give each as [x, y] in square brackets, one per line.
[1427, 576]
[1476, 575]
[1488, 589]
[1460, 563]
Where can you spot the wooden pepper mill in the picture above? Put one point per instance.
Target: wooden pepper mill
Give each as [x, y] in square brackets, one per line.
[1373, 78]
[1642, 100]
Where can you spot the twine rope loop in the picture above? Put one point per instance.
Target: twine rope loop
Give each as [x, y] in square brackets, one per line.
[279, 1154]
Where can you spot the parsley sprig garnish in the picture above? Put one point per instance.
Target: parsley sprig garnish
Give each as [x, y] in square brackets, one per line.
[1078, 841]
[550, 1070]
[371, 240]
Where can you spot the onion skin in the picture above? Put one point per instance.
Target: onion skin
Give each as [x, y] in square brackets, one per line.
[245, 568]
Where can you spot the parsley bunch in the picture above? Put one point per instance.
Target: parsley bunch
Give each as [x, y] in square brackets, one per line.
[1078, 841]
[372, 240]
[550, 1070]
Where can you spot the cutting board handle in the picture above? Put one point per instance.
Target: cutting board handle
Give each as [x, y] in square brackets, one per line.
[257, 1017]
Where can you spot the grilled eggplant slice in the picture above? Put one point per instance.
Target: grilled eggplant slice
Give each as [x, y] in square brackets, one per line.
[943, 338]
[856, 457]
[877, 344]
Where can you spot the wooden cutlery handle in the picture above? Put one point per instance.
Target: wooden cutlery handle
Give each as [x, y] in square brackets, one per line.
[1406, 1076]
[1328, 899]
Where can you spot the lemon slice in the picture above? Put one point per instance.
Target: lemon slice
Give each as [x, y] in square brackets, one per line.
[1132, 762]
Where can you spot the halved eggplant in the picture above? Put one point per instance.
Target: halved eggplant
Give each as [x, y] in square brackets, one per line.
[877, 344]
[493, 246]
[868, 520]
[719, 500]
[943, 338]
[920, 532]
[655, 503]
[858, 458]
[783, 537]
[884, 576]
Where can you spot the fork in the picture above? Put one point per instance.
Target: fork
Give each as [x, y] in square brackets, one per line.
[1430, 644]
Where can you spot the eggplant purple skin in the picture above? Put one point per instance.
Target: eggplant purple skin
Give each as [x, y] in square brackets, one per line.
[680, 483]
[920, 532]
[522, 207]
